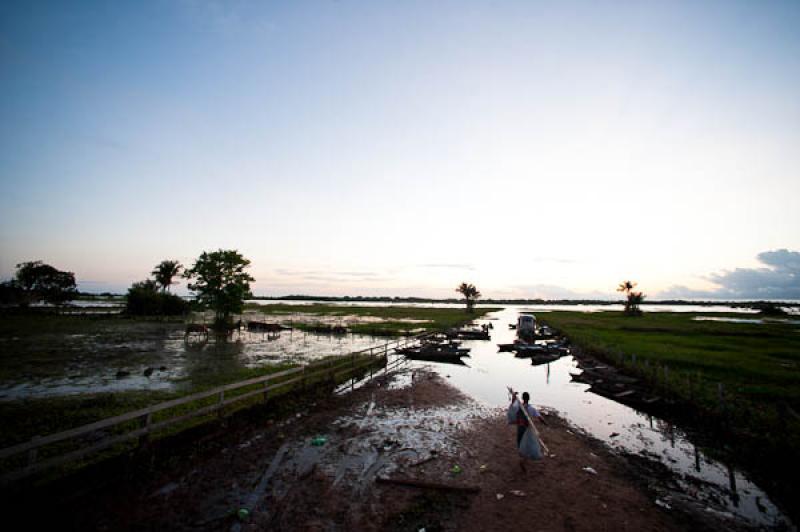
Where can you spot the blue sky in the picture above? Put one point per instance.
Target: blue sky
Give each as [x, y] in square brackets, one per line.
[399, 148]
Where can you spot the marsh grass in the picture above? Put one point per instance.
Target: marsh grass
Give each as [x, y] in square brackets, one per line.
[758, 362]
[426, 318]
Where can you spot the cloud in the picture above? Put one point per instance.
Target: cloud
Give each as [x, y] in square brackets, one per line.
[780, 279]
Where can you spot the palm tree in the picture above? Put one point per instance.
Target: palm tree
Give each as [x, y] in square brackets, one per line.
[165, 271]
[632, 299]
[470, 293]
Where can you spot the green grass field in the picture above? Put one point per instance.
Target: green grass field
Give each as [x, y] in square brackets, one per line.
[759, 362]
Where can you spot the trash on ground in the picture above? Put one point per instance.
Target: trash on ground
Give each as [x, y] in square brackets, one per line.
[318, 441]
[663, 504]
[517, 493]
[590, 470]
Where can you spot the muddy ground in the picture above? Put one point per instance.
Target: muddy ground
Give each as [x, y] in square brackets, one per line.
[323, 469]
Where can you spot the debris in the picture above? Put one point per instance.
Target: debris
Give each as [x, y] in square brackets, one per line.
[318, 441]
[243, 514]
[456, 469]
[482, 468]
[662, 504]
[517, 493]
[500, 496]
[614, 435]
[590, 470]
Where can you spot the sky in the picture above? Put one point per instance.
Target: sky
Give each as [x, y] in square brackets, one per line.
[535, 149]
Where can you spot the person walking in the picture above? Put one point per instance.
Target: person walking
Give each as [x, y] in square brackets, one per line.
[528, 442]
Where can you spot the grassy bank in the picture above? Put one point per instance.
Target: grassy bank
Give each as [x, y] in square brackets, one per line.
[393, 321]
[759, 363]
[735, 384]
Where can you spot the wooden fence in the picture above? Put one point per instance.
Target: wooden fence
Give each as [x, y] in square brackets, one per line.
[333, 370]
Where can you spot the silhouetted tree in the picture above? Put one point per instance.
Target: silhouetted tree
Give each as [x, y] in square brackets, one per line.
[164, 273]
[42, 282]
[632, 299]
[470, 293]
[221, 284]
[145, 299]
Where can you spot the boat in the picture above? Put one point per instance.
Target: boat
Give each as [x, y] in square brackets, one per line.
[528, 350]
[545, 358]
[435, 352]
[470, 334]
[451, 356]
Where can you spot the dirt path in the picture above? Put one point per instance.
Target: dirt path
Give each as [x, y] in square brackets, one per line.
[418, 431]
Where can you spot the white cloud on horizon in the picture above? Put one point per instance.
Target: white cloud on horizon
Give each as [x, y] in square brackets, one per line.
[780, 280]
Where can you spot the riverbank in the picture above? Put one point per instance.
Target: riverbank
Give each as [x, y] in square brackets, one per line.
[732, 385]
[334, 465]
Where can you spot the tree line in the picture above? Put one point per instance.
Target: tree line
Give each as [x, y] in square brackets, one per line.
[217, 278]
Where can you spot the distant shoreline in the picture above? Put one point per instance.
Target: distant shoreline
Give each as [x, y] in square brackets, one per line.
[388, 299]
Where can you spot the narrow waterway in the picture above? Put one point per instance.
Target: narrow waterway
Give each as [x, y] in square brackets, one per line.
[487, 373]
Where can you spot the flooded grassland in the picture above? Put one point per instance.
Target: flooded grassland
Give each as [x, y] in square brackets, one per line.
[109, 364]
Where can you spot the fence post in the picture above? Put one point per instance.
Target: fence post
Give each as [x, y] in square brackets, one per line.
[145, 423]
[352, 372]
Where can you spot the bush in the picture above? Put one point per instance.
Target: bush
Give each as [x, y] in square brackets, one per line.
[144, 299]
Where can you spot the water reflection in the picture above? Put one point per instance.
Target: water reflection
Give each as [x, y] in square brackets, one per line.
[714, 484]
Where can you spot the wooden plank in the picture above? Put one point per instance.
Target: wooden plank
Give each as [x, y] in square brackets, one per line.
[258, 380]
[58, 460]
[194, 413]
[252, 501]
[429, 485]
[122, 418]
[240, 397]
